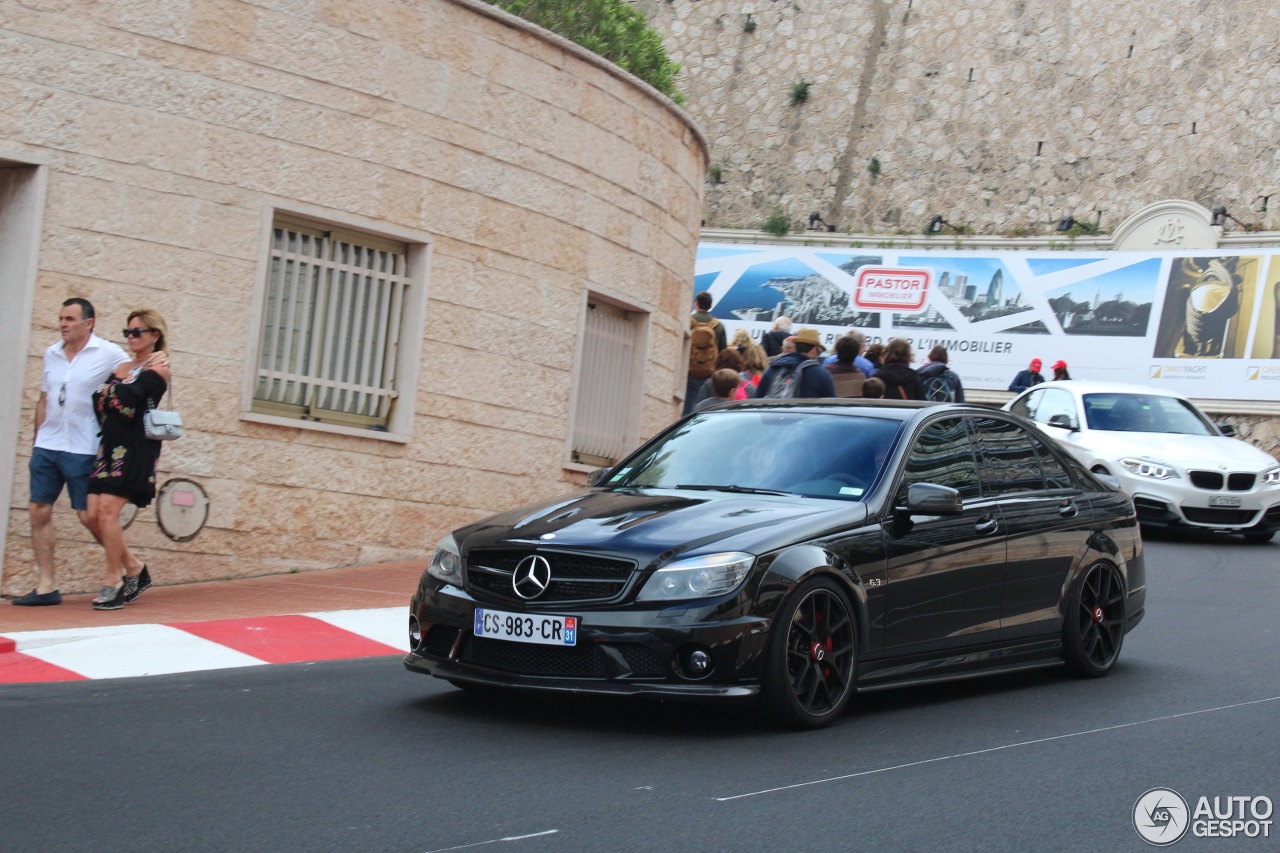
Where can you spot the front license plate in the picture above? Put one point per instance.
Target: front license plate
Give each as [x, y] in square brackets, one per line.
[1223, 500]
[527, 627]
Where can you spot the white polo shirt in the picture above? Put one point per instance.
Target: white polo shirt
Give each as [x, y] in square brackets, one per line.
[71, 425]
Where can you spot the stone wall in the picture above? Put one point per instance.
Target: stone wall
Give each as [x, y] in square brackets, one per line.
[536, 170]
[1003, 116]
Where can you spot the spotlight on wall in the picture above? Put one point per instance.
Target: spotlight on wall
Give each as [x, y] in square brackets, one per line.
[1066, 223]
[1220, 217]
[815, 221]
[936, 224]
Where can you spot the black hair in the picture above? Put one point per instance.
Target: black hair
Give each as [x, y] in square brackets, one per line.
[86, 307]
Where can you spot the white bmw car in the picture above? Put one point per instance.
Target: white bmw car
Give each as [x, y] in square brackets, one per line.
[1180, 469]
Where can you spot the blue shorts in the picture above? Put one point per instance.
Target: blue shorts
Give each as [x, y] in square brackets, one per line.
[51, 469]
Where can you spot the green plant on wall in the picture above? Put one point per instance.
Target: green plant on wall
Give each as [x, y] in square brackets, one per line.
[799, 92]
[750, 25]
[1083, 229]
[778, 223]
[715, 173]
[614, 29]
[873, 166]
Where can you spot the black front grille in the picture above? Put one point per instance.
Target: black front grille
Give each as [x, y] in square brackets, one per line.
[574, 577]
[583, 661]
[642, 660]
[439, 640]
[586, 660]
[1211, 480]
[1226, 517]
[1241, 482]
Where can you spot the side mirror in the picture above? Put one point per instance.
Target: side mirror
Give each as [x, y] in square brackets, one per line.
[594, 478]
[1063, 422]
[932, 499]
[1226, 429]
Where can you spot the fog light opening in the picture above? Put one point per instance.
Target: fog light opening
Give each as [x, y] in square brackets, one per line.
[695, 662]
[415, 633]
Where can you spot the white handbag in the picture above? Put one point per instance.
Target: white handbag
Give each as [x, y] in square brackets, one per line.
[161, 424]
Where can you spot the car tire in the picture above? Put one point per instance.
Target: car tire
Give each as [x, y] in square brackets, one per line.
[811, 657]
[1259, 537]
[1093, 628]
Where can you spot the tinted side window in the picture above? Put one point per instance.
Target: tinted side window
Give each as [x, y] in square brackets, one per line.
[1055, 474]
[1008, 461]
[1026, 405]
[1055, 401]
[942, 454]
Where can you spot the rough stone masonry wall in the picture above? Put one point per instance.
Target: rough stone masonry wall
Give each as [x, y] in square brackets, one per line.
[1002, 115]
[168, 128]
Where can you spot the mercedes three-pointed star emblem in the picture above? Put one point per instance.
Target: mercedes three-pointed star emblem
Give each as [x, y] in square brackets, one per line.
[531, 577]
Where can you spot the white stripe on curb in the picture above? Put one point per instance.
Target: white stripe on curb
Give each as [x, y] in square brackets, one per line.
[123, 651]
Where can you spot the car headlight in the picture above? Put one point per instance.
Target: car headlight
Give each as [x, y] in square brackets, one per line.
[697, 577]
[1147, 468]
[446, 562]
[1271, 477]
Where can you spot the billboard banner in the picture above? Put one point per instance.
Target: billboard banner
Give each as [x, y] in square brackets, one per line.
[1203, 323]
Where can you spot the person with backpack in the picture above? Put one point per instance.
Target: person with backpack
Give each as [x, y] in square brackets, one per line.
[706, 341]
[798, 375]
[941, 383]
[846, 374]
[900, 381]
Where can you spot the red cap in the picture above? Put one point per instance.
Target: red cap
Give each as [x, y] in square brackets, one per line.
[1059, 365]
[1035, 363]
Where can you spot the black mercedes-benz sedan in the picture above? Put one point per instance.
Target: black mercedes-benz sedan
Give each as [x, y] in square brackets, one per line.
[789, 554]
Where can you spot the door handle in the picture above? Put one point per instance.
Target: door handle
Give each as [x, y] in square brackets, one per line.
[987, 526]
[1067, 509]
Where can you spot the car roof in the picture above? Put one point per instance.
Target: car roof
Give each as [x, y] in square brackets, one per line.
[1090, 386]
[897, 409]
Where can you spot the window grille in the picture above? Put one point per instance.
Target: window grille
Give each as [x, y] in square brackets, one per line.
[604, 385]
[331, 325]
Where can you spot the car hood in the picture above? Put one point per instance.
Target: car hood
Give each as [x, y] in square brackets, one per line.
[1182, 451]
[662, 523]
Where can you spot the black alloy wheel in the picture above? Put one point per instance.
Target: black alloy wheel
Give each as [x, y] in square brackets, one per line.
[809, 667]
[1094, 627]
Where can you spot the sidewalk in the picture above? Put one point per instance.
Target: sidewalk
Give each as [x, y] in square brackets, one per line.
[357, 611]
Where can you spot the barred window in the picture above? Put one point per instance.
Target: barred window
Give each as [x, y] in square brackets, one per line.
[609, 388]
[331, 325]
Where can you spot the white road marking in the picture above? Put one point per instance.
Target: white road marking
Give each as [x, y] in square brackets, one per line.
[386, 625]
[993, 749]
[495, 841]
[122, 651]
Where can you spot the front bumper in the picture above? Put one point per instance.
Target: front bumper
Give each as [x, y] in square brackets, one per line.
[626, 650]
[1259, 509]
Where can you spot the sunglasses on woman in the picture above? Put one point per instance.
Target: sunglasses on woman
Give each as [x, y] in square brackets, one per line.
[136, 333]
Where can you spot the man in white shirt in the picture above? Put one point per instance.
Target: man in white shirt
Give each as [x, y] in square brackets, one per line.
[66, 435]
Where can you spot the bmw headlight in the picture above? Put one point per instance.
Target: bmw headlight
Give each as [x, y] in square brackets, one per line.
[697, 577]
[1147, 468]
[446, 562]
[1271, 477]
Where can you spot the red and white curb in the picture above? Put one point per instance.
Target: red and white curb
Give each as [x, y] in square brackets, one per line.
[124, 651]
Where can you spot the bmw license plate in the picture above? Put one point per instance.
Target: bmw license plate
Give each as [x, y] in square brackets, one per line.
[527, 627]
[1223, 500]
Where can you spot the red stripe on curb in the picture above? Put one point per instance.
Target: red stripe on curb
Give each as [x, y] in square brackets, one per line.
[287, 639]
[7, 645]
[17, 668]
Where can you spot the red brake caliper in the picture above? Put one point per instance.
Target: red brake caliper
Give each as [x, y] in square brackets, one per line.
[819, 649]
[1097, 615]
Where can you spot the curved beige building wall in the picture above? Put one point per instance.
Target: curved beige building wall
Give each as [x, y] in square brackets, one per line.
[527, 173]
[1003, 116]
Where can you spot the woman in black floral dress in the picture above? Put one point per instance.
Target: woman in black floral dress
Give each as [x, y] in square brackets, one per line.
[125, 468]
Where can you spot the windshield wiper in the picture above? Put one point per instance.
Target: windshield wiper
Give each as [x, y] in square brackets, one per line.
[741, 490]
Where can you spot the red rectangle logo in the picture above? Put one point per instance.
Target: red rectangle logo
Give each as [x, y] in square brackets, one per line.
[893, 289]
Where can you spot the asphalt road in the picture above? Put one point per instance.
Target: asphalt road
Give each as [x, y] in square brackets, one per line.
[363, 755]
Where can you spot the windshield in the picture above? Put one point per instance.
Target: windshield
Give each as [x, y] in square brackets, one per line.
[814, 454]
[1144, 413]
